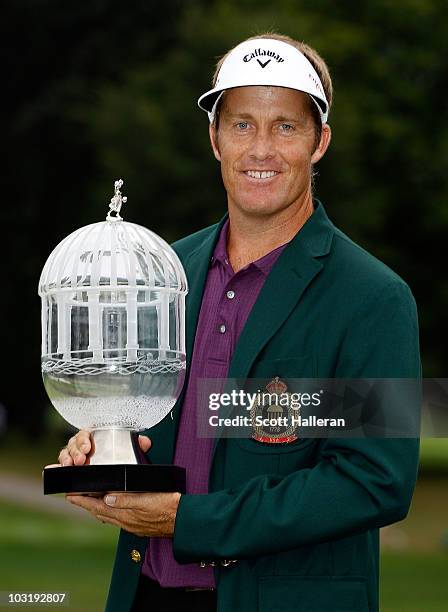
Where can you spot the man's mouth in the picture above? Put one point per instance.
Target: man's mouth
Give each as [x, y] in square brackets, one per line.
[261, 174]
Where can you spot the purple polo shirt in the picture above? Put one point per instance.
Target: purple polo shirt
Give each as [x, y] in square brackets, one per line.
[227, 301]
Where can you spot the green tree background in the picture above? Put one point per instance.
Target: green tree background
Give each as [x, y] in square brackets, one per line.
[105, 89]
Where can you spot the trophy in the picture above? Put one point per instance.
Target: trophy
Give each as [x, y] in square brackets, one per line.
[113, 349]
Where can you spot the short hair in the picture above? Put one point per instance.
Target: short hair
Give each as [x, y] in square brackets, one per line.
[315, 60]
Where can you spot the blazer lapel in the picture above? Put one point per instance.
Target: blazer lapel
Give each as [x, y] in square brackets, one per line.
[196, 266]
[294, 270]
[296, 267]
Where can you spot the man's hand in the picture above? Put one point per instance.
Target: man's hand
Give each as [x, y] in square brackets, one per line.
[145, 514]
[79, 446]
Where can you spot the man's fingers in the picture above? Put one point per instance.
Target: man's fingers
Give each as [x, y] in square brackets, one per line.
[95, 506]
[65, 458]
[108, 519]
[83, 441]
[77, 457]
[145, 443]
[79, 446]
[92, 504]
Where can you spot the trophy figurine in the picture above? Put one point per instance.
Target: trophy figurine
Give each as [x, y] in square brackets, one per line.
[113, 349]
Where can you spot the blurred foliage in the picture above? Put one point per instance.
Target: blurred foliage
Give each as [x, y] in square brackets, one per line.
[106, 89]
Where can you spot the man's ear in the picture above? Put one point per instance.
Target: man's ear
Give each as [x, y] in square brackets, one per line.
[214, 141]
[325, 138]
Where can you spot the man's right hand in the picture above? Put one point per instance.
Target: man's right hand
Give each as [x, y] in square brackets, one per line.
[79, 446]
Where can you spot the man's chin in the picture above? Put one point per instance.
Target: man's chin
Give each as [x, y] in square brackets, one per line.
[257, 208]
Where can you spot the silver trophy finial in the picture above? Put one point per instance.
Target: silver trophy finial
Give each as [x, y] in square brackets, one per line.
[116, 202]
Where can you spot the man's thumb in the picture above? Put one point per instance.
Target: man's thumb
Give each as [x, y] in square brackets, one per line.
[145, 443]
[123, 500]
[110, 500]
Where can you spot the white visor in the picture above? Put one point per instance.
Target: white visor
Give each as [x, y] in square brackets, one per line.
[266, 61]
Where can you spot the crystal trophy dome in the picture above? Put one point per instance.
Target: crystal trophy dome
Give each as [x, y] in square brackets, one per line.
[113, 331]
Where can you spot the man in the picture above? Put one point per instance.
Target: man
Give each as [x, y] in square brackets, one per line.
[275, 290]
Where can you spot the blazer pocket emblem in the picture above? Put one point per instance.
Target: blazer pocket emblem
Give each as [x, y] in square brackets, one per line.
[274, 414]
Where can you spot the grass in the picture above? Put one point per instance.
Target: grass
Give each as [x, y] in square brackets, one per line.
[414, 582]
[48, 553]
[51, 553]
[425, 529]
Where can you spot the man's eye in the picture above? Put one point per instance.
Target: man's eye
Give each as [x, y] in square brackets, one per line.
[242, 125]
[286, 127]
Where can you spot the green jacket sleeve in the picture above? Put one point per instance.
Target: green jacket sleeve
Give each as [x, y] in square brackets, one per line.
[356, 485]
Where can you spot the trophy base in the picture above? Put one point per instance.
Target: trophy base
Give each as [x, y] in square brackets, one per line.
[116, 477]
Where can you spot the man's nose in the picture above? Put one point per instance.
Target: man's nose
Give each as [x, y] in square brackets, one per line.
[262, 145]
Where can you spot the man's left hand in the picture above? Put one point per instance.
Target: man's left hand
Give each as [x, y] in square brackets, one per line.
[145, 514]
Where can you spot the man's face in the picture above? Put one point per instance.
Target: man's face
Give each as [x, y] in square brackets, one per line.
[266, 146]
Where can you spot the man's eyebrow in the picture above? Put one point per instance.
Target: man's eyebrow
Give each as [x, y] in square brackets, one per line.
[238, 115]
[299, 118]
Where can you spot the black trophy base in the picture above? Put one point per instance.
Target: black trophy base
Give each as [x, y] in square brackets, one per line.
[116, 477]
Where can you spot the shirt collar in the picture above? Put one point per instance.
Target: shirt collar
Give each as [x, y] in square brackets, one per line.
[220, 252]
[264, 264]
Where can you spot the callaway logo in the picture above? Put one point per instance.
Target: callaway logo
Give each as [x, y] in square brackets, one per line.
[315, 81]
[260, 52]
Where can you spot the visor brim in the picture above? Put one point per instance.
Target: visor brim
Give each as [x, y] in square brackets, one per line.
[208, 99]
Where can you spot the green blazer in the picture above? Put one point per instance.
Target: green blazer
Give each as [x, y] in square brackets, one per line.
[301, 518]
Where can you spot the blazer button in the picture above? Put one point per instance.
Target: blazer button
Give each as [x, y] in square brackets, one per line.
[227, 562]
[208, 564]
[136, 556]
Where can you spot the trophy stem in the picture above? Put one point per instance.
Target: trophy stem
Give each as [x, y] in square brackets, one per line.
[113, 446]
